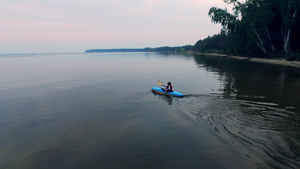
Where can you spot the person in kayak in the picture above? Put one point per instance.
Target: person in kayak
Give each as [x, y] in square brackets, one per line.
[168, 88]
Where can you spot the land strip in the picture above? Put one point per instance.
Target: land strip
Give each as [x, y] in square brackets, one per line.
[260, 60]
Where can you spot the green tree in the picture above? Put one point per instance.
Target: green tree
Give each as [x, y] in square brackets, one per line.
[215, 43]
[267, 26]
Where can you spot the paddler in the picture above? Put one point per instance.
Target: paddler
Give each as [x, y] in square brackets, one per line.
[168, 88]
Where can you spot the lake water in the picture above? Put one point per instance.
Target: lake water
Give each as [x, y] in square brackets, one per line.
[97, 111]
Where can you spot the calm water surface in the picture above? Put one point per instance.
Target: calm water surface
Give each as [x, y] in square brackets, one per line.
[92, 111]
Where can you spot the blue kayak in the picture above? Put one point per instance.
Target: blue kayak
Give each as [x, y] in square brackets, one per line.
[161, 91]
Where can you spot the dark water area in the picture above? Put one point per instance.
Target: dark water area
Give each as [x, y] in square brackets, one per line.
[97, 110]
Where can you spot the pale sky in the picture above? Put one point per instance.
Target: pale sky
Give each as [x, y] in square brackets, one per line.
[54, 26]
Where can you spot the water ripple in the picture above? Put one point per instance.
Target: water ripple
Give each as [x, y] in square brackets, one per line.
[262, 131]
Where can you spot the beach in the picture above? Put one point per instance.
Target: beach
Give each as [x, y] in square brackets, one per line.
[282, 62]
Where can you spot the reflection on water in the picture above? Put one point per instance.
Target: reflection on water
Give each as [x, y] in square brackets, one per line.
[98, 111]
[240, 79]
[165, 98]
[257, 110]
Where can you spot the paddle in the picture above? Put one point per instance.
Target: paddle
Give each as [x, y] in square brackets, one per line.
[159, 82]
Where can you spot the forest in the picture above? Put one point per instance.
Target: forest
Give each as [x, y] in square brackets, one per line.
[256, 28]
[164, 49]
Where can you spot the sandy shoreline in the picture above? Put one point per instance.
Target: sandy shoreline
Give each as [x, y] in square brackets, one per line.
[282, 62]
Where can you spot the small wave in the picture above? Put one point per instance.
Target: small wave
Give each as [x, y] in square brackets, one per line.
[196, 95]
[256, 128]
[256, 97]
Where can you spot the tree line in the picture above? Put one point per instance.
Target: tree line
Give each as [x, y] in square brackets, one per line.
[168, 49]
[256, 28]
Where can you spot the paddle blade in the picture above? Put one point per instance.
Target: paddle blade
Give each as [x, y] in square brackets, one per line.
[159, 82]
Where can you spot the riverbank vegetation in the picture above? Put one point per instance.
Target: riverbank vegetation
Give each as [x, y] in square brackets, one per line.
[256, 28]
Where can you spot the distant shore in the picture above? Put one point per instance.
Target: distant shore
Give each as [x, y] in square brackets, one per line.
[185, 49]
[259, 60]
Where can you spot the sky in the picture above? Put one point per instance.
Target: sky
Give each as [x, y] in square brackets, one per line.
[61, 26]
